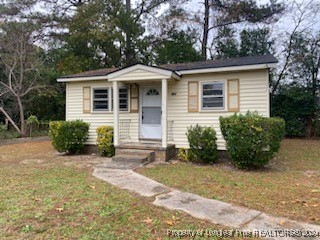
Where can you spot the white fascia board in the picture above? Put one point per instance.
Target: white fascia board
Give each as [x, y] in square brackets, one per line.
[164, 72]
[79, 79]
[175, 76]
[228, 69]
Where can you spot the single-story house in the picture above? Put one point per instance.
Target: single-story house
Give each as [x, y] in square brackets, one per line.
[156, 104]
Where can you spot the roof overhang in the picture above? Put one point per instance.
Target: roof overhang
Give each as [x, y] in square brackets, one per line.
[228, 69]
[154, 73]
[160, 73]
[79, 79]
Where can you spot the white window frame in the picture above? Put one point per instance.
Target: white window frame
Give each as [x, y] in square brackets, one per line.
[223, 96]
[93, 99]
[110, 100]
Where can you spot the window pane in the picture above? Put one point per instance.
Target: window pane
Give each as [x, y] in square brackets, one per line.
[212, 92]
[123, 104]
[212, 102]
[151, 115]
[123, 90]
[100, 93]
[123, 99]
[152, 92]
[100, 105]
[213, 89]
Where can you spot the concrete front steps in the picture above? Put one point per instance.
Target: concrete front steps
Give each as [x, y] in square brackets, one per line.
[153, 151]
[134, 155]
[128, 159]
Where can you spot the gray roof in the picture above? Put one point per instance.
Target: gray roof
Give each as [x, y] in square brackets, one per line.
[220, 63]
[228, 62]
[93, 73]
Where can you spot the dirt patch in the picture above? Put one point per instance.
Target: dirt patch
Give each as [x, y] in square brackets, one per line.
[312, 173]
[87, 163]
[32, 161]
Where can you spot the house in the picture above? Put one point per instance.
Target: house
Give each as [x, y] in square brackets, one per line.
[156, 104]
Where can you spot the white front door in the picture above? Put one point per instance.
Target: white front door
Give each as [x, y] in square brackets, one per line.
[150, 112]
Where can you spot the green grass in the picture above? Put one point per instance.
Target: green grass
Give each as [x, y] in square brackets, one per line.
[44, 195]
[11, 134]
[289, 187]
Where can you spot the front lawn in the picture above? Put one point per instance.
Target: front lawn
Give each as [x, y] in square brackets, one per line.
[44, 195]
[289, 187]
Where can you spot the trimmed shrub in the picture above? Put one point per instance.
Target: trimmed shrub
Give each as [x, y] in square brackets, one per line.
[68, 136]
[202, 143]
[252, 139]
[105, 141]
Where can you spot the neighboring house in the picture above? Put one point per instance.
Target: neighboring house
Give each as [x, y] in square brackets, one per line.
[149, 103]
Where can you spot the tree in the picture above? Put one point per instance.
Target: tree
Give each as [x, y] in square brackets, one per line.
[21, 62]
[253, 42]
[304, 70]
[107, 33]
[304, 16]
[94, 39]
[293, 104]
[177, 49]
[219, 13]
[226, 44]
[256, 42]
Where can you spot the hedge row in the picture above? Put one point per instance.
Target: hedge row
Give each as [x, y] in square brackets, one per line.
[251, 139]
[70, 136]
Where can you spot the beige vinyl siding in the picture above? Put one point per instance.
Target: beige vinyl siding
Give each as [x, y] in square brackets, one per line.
[253, 96]
[138, 75]
[74, 110]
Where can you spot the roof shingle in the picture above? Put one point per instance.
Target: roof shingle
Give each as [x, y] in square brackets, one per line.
[220, 63]
[228, 62]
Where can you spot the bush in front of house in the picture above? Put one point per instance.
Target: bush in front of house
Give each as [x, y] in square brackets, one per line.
[69, 136]
[202, 143]
[252, 139]
[105, 141]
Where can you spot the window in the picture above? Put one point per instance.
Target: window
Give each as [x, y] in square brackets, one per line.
[152, 92]
[213, 95]
[123, 99]
[101, 99]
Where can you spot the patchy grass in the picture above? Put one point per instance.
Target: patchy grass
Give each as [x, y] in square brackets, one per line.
[10, 134]
[45, 195]
[13, 134]
[288, 187]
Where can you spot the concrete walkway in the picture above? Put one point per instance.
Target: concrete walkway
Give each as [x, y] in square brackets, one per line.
[216, 212]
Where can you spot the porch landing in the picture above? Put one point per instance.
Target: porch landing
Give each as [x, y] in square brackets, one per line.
[151, 151]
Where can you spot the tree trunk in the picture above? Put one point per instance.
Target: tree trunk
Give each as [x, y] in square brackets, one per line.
[10, 119]
[309, 126]
[21, 113]
[128, 48]
[205, 30]
[312, 118]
